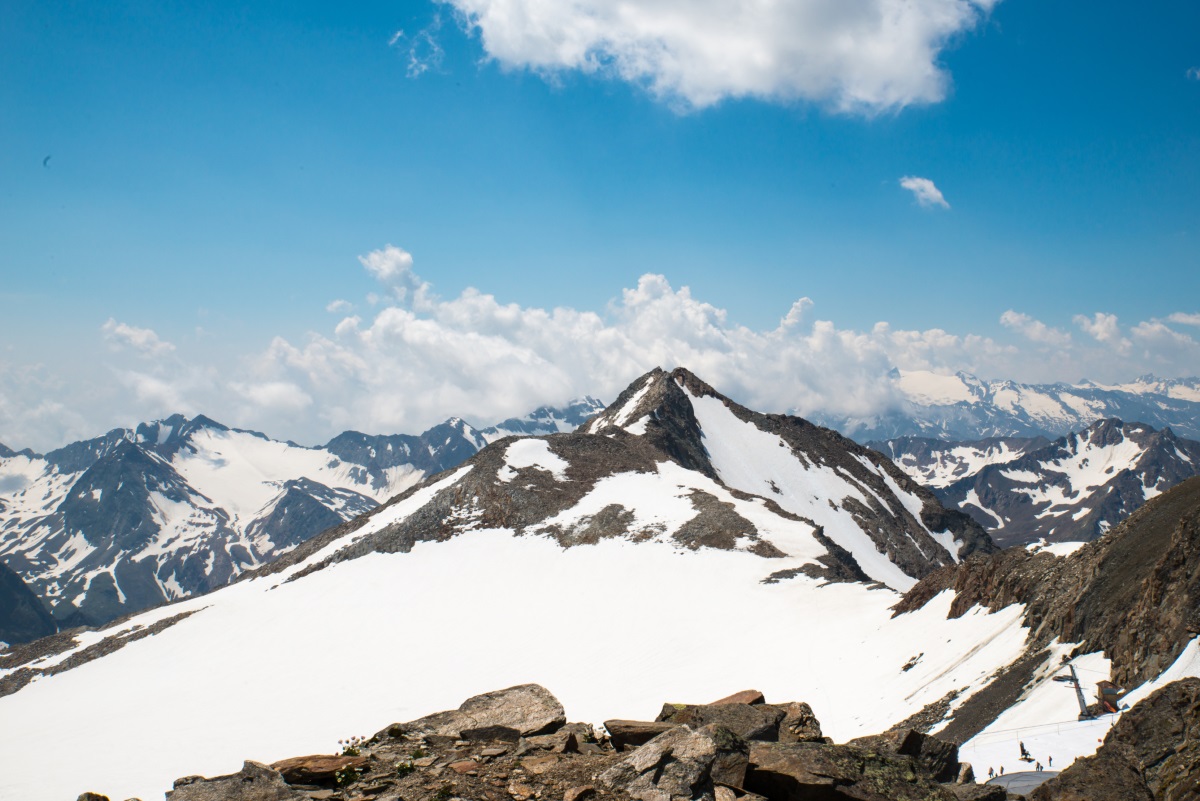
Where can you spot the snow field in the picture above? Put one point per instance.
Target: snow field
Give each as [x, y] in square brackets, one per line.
[269, 669]
[532, 453]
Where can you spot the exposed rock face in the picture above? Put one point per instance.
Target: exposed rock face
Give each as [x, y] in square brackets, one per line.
[527, 709]
[22, 616]
[1153, 752]
[1134, 594]
[254, 782]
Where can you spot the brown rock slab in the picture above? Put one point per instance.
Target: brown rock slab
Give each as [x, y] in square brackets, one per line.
[743, 697]
[464, 766]
[90, 796]
[316, 768]
[634, 732]
[723, 793]
[579, 793]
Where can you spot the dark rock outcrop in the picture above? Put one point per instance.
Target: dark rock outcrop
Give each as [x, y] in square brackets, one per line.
[822, 772]
[22, 616]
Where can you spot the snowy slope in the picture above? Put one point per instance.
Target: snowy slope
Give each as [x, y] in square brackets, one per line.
[180, 506]
[963, 407]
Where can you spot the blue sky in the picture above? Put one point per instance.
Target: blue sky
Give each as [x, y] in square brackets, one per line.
[216, 172]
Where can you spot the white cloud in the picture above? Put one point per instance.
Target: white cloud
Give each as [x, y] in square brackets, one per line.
[924, 190]
[1105, 329]
[142, 340]
[1194, 73]
[393, 267]
[862, 56]
[415, 359]
[339, 306]
[1034, 330]
[1183, 318]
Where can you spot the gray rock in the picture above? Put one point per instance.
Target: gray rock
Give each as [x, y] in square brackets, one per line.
[807, 771]
[759, 722]
[936, 757]
[675, 766]
[255, 782]
[528, 709]
[979, 792]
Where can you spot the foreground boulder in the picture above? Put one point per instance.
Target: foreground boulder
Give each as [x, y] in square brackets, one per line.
[681, 765]
[1153, 752]
[936, 757]
[255, 782]
[521, 711]
[812, 771]
[757, 722]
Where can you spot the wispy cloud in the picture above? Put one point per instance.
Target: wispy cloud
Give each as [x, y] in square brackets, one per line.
[1183, 318]
[423, 49]
[142, 340]
[852, 57]
[339, 306]
[1034, 330]
[925, 191]
[1194, 73]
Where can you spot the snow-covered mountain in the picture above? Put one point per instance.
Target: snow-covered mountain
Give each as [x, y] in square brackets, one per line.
[1077, 487]
[677, 546]
[1023, 490]
[140, 516]
[938, 464]
[963, 407]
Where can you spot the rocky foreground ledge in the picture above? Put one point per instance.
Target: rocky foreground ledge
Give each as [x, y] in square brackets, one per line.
[516, 745]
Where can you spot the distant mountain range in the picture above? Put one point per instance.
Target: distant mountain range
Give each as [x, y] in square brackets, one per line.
[1023, 490]
[171, 508]
[963, 407]
[678, 545]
